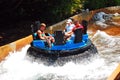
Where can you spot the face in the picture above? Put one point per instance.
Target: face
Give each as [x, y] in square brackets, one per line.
[42, 28]
[77, 23]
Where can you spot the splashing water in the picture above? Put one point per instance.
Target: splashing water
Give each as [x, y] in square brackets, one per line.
[107, 45]
[98, 67]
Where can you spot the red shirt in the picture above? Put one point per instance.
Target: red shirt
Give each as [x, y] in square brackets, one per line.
[77, 26]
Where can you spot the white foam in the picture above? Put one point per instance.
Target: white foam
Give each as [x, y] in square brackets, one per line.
[101, 38]
[18, 67]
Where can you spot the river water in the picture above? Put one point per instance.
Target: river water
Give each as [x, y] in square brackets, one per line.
[17, 66]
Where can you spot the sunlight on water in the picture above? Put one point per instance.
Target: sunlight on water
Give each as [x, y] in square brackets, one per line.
[98, 67]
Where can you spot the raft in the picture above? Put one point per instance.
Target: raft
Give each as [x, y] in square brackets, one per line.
[77, 45]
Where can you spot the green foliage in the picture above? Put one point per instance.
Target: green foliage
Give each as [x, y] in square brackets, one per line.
[96, 4]
[117, 2]
[63, 8]
[52, 11]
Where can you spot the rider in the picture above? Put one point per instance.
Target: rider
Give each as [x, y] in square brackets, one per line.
[42, 36]
[77, 25]
[68, 29]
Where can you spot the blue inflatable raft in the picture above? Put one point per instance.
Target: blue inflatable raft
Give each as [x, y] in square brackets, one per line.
[76, 45]
[79, 44]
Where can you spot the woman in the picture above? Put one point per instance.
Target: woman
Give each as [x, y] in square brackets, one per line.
[42, 36]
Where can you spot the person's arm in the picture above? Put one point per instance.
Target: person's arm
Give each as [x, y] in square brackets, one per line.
[68, 33]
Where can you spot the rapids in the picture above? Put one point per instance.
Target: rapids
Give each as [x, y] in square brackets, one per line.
[17, 66]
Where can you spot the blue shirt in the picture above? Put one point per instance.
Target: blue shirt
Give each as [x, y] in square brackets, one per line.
[69, 27]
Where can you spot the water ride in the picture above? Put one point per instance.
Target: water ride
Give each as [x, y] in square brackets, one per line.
[77, 45]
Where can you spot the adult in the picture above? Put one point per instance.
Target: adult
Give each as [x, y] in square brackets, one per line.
[68, 29]
[42, 36]
[78, 28]
[77, 25]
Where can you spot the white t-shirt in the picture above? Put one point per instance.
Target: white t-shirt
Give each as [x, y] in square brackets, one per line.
[69, 27]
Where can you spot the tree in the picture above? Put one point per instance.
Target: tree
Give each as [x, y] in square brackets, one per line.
[51, 11]
[96, 4]
[63, 8]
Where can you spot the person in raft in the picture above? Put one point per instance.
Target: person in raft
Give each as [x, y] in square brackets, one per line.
[77, 25]
[68, 29]
[42, 36]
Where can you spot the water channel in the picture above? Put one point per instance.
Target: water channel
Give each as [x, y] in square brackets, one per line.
[17, 66]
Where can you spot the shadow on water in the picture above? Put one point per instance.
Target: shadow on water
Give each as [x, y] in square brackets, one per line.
[56, 60]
